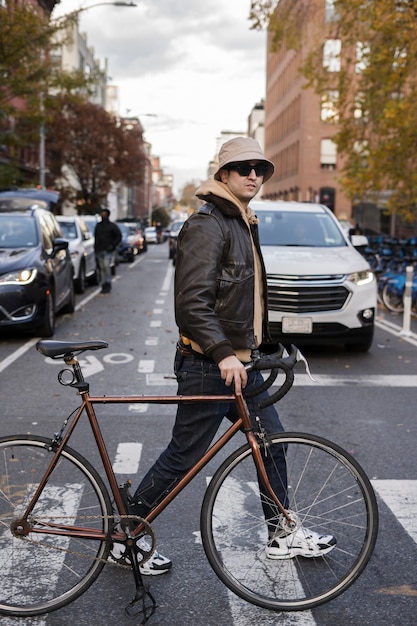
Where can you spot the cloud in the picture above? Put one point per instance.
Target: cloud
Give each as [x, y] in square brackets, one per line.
[196, 65]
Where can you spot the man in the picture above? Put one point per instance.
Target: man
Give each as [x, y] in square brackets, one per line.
[107, 237]
[221, 312]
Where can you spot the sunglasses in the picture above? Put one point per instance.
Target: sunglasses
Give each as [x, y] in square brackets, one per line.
[244, 169]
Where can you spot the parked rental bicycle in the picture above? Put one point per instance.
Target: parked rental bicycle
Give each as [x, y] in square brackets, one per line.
[58, 519]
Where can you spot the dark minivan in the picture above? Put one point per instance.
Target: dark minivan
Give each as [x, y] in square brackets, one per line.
[36, 273]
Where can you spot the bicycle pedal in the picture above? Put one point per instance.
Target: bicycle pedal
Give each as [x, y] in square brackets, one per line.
[124, 490]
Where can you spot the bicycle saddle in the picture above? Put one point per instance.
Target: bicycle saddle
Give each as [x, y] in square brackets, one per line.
[59, 349]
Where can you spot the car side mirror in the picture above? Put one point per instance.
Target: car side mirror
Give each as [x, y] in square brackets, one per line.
[359, 240]
[59, 244]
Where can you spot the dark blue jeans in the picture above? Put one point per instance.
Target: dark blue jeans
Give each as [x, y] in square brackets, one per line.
[195, 427]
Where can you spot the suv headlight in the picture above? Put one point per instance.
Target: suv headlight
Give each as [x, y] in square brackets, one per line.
[22, 277]
[361, 278]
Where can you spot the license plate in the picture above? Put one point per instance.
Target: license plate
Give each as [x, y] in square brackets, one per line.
[300, 325]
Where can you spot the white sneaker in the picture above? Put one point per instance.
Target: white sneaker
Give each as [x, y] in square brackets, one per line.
[302, 542]
[155, 565]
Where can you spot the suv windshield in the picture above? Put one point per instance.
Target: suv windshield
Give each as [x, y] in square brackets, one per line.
[18, 231]
[295, 228]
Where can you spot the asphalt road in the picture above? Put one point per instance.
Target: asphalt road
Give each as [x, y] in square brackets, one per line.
[364, 402]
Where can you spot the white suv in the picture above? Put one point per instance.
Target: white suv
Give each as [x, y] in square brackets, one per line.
[81, 247]
[320, 288]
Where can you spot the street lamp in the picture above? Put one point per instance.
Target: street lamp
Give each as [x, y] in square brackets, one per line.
[42, 160]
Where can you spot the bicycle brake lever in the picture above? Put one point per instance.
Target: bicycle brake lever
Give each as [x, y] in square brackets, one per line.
[300, 357]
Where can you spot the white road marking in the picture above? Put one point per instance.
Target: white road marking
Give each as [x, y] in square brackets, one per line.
[64, 503]
[155, 323]
[146, 366]
[243, 613]
[302, 380]
[17, 354]
[138, 408]
[127, 458]
[154, 380]
[151, 341]
[168, 278]
[401, 497]
[329, 380]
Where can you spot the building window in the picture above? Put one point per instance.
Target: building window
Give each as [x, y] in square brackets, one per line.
[329, 111]
[331, 14]
[360, 112]
[362, 56]
[328, 154]
[331, 55]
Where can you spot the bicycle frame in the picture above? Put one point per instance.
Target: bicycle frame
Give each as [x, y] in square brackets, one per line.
[87, 405]
[332, 510]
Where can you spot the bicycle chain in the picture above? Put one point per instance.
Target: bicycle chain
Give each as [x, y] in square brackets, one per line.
[101, 517]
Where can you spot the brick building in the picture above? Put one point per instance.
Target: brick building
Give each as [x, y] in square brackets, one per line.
[298, 132]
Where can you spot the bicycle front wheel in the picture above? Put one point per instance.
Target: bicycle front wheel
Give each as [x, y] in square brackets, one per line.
[327, 491]
[42, 572]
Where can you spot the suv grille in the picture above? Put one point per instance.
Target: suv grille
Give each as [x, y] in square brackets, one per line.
[306, 294]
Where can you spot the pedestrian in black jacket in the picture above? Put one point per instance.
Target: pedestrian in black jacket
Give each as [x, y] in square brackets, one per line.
[107, 238]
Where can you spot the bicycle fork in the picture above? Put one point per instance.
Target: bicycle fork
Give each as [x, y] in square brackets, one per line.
[257, 456]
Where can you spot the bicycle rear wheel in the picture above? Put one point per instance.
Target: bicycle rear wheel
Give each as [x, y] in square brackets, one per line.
[392, 299]
[43, 572]
[328, 491]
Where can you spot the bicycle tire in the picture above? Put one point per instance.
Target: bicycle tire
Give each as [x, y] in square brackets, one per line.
[392, 299]
[44, 572]
[329, 492]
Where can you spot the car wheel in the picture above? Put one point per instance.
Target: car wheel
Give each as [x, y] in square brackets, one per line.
[79, 282]
[47, 326]
[70, 305]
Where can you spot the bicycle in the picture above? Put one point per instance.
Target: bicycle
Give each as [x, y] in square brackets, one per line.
[59, 520]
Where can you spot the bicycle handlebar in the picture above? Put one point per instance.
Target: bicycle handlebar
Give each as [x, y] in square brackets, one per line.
[279, 360]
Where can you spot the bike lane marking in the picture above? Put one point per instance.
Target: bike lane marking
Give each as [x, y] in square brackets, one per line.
[127, 458]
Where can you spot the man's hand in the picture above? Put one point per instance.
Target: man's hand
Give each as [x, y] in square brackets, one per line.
[232, 370]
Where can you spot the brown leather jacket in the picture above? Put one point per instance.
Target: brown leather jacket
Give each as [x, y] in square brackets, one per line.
[214, 281]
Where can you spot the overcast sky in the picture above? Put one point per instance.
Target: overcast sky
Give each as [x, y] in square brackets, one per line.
[194, 63]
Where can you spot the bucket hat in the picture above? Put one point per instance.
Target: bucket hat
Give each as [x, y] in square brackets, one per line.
[242, 149]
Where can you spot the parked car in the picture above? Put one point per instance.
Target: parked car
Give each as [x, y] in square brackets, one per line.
[132, 242]
[151, 234]
[48, 197]
[139, 226]
[81, 247]
[321, 290]
[36, 272]
[172, 238]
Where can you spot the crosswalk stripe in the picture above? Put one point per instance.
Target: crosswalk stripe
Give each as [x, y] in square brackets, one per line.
[401, 497]
[303, 380]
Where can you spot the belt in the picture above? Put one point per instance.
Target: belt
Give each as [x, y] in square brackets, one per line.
[188, 351]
